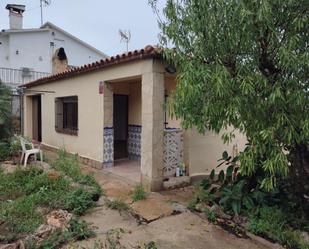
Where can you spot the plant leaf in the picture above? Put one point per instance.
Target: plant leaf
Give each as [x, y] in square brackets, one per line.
[248, 202]
[221, 176]
[212, 175]
[236, 207]
[229, 171]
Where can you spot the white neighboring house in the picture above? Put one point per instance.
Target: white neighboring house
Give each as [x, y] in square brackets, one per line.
[26, 54]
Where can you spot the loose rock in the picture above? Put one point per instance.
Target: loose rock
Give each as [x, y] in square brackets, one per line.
[179, 208]
[219, 213]
[176, 182]
[17, 245]
[59, 218]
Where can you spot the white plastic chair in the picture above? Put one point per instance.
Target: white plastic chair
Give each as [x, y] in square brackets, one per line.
[27, 152]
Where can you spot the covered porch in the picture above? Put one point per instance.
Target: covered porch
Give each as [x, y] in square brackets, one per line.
[141, 142]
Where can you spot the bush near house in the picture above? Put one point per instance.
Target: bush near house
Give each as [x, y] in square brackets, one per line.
[5, 120]
[5, 112]
[244, 64]
[139, 193]
[27, 195]
[276, 215]
[10, 149]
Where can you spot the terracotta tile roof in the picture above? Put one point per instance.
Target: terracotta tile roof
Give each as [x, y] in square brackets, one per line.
[145, 53]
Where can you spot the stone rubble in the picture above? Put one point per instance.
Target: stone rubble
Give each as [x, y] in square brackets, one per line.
[59, 219]
[17, 245]
[176, 182]
[41, 233]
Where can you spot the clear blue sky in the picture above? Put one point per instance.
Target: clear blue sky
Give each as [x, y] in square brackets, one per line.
[95, 21]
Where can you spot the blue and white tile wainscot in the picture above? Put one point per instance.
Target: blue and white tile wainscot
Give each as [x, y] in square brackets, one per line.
[108, 149]
[134, 142]
[173, 151]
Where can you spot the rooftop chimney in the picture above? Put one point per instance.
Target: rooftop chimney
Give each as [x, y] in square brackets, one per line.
[60, 61]
[16, 15]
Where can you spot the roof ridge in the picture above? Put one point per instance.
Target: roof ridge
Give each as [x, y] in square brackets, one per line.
[144, 53]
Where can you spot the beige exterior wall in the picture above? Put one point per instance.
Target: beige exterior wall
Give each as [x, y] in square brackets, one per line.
[201, 152]
[152, 126]
[135, 104]
[28, 116]
[35, 106]
[89, 142]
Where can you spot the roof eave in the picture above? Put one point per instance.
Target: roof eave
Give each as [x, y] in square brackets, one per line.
[148, 53]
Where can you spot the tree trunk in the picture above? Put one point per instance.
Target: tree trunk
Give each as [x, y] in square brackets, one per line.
[299, 173]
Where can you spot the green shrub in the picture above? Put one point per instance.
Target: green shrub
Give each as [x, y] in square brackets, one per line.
[211, 216]
[78, 201]
[272, 223]
[4, 150]
[139, 193]
[89, 180]
[192, 204]
[68, 164]
[78, 230]
[234, 197]
[43, 181]
[21, 216]
[269, 222]
[13, 185]
[55, 240]
[6, 126]
[117, 204]
[8, 238]
[53, 193]
[235, 193]
[15, 145]
[24, 191]
[275, 214]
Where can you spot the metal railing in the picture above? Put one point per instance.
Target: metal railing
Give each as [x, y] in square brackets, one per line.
[15, 77]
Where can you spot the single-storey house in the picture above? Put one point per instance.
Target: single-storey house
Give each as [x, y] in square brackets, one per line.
[112, 110]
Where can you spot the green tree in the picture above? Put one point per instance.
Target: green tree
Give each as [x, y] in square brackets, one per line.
[5, 112]
[245, 64]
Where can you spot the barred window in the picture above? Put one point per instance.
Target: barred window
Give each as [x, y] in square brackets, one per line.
[66, 115]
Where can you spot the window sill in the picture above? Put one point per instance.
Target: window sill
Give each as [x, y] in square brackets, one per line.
[67, 132]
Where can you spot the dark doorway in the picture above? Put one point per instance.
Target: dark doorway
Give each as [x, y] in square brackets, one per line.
[120, 116]
[37, 118]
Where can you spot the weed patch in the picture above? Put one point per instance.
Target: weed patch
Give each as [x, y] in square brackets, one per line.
[67, 164]
[27, 195]
[139, 193]
[78, 230]
[272, 223]
[21, 215]
[78, 201]
[117, 204]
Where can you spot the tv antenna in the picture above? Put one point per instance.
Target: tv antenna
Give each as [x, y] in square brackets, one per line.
[46, 3]
[125, 37]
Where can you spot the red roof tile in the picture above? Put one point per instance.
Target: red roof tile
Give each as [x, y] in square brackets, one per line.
[145, 53]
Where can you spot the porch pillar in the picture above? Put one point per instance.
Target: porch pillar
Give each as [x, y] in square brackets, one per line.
[108, 134]
[152, 129]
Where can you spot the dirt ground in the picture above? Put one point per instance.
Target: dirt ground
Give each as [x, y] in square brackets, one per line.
[161, 224]
[162, 218]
